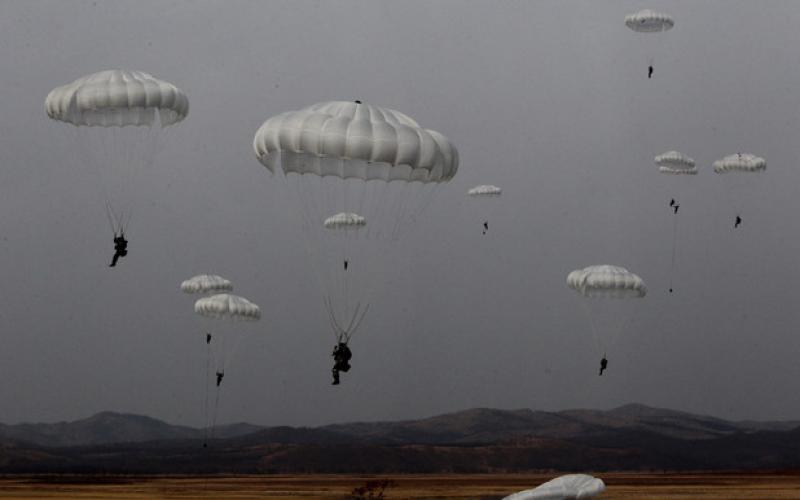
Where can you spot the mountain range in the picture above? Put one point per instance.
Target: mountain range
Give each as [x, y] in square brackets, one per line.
[631, 437]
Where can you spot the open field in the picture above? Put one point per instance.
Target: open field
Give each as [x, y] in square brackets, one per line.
[489, 486]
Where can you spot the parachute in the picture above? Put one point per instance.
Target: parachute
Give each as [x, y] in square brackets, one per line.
[674, 163]
[649, 21]
[605, 292]
[741, 186]
[345, 221]
[568, 487]
[486, 192]
[740, 163]
[206, 283]
[118, 119]
[228, 311]
[360, 174]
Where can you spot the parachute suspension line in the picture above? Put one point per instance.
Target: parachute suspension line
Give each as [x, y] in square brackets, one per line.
[207, 389]
[618, 331]
[214, 415]
[356, 320]
[111, 218]
[674, 245]
[595, 336]
[338, 333]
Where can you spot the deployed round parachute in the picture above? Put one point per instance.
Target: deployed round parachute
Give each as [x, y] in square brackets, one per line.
[118, 119]
[345, 221]
[649, 21]
[741, 187]
[206, 283]
[567, 487]
[740, 163]
[675, 163]
[227, 306]
[678, 165]
[360, 175]
[605, 292]
[227, 312]
[485, 191]
[488, 193]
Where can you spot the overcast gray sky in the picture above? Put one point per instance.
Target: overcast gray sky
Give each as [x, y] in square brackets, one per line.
[549, 100]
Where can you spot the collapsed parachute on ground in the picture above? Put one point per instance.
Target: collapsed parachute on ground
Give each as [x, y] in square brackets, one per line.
[206, 283]
[119, 117]
[673, 162]
[362, 163]
[567, 487]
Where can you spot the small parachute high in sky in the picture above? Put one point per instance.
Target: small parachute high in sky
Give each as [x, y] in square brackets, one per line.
[677, 165]
[118, 118]
[606, 292]
[741, 186]
[228, 312]
[206, 283]
[649, 21]
[567, 487]
[360, 174]
[487, 193]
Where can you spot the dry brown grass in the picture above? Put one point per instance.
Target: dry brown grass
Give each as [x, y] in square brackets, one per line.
[326, 487]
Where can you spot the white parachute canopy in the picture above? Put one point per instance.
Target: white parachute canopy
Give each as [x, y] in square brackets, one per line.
[740, 163]
[227, 306]
[649, 21]
[606, 281]
[354, 140]
[228, 312]
[118, 118]
[568, 487]
[604, 292]
[485, 190]
[347, 221]
[673, 162]
[116, 98]
[742, 189]
[362, 163]
[206, 283]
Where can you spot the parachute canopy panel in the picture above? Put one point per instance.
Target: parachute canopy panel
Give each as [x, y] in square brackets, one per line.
[206, 283]
[740, 162]
[354, 140]
[649, 21]
[345, 220]
[673, 162]
[570, 486]
[116, 98]
[485, 190]
[606, 281]
[227, 306]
